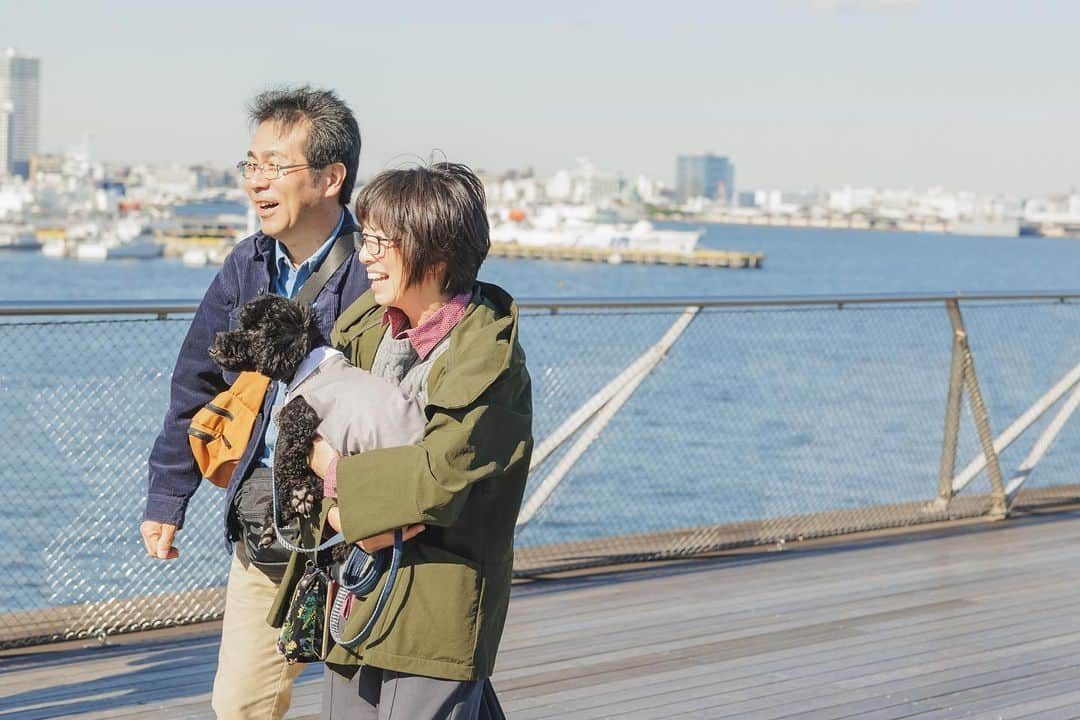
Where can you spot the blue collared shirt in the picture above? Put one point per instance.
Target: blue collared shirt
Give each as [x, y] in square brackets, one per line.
[286, 280]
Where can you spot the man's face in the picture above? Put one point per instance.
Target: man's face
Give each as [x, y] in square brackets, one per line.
[283, 205]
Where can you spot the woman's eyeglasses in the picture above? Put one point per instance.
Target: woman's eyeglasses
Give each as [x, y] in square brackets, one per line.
[374, 244]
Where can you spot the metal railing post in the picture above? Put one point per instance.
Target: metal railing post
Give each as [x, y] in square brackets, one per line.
[999, 506]
[952, 408]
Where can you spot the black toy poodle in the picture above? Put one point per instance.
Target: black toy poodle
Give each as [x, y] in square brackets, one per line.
[273, 337]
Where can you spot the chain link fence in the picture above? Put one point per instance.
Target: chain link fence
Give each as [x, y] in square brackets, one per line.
[680, 432]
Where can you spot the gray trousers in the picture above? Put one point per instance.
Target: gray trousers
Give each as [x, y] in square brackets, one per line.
[375, 694]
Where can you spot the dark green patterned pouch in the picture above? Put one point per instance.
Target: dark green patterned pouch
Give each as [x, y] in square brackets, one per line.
[303, 634]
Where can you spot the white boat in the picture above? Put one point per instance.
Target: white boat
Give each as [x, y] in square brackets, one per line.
[142, 247]
[124, 241]
[91, 251]
[195, 257]
[138, 249]
[55, 248]
[639, 236]
[986, 228]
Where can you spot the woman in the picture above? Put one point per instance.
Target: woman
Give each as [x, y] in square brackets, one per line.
[450, 342]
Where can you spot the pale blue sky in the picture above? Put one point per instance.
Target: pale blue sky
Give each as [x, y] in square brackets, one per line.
[965, 94]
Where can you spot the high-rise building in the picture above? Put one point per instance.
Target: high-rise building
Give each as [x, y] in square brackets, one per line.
[704, 176]
[5, 133]
[20, 81]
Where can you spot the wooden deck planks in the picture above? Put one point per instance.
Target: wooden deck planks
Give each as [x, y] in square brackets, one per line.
[975, 622]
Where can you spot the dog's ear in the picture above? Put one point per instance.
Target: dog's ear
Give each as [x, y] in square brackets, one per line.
[232, 350]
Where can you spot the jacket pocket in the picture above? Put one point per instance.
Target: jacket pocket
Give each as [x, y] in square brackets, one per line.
[433, 610]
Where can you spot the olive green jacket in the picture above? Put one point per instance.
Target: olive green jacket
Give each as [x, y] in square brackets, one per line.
[464, 480]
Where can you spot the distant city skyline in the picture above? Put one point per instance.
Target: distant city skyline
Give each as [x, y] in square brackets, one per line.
[798, 93]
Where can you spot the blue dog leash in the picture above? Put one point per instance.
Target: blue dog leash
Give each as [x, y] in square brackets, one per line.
[359, 575]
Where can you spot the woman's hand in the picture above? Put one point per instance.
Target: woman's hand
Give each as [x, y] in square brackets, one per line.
[375, 543]
[321, 456]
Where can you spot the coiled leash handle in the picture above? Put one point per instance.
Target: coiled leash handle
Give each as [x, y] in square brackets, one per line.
[359, 576]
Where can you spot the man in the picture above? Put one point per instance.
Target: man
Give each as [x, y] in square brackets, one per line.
[299, 174]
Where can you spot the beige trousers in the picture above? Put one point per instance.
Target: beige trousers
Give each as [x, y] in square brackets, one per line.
[253, 681]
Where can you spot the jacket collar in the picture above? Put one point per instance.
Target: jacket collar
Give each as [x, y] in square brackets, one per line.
[261, 250]
[263, 246]
[490, 321]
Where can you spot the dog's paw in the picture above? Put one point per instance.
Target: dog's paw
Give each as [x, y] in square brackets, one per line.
[302, 501]
[340, 552]
[267, 538]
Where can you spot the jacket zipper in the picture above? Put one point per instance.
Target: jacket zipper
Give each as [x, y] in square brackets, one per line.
[207, 437]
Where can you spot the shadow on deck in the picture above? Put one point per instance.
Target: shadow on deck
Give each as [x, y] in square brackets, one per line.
[974, 619]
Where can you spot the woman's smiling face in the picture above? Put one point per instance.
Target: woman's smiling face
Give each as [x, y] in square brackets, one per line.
[385, 267]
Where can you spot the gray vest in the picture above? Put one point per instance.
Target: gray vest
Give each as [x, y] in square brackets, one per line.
[359, 411]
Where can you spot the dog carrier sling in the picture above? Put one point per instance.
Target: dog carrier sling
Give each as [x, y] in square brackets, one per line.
[220, 431]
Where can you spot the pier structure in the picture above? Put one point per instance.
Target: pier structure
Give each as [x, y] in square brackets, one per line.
[814, 507]
[575, 253]
[213, 247]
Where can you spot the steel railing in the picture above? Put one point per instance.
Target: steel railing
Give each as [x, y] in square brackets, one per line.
[665, 427]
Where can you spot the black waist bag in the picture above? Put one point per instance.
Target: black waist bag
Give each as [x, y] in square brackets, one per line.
[254, 505]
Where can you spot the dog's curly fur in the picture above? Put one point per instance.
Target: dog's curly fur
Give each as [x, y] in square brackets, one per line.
[273, 337]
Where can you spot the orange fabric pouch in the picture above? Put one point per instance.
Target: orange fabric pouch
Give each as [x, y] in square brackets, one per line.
[220, 431]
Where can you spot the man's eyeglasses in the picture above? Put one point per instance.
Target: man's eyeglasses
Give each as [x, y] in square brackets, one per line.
[374, 244]
[270, 171]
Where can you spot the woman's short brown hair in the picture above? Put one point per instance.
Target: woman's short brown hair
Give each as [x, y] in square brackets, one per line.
[438, 213]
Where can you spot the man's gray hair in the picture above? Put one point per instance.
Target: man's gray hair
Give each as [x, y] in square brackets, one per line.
[333, 135]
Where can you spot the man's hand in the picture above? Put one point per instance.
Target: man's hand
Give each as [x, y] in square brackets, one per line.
[375, 543]
[321, 455]
[158, 538]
